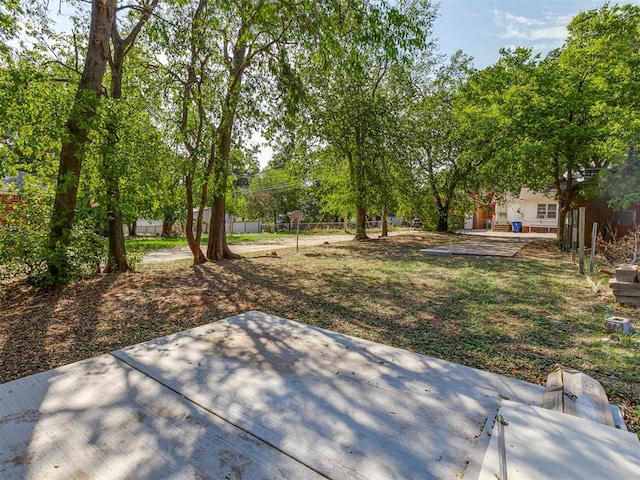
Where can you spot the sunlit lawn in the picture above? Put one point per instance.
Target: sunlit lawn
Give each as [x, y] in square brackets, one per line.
[145, 243]
[515, 316]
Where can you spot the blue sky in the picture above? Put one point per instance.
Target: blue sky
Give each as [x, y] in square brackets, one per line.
[481, 27]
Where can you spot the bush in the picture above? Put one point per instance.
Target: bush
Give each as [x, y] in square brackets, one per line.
[23, 235]
[24, 248]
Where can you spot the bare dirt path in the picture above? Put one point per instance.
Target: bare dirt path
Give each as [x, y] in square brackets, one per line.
[182, 253]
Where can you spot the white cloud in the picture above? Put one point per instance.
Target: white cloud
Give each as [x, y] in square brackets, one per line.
[518, 27]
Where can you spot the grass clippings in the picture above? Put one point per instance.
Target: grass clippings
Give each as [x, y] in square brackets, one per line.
[514, 316]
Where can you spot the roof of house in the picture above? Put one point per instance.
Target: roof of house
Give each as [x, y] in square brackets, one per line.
[528, 194]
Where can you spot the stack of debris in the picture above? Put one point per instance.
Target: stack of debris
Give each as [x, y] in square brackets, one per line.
[626, 288]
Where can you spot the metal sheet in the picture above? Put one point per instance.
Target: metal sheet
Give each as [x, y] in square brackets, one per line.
[543, 443]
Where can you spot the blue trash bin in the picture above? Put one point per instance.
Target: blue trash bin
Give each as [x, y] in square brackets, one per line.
[517, 227]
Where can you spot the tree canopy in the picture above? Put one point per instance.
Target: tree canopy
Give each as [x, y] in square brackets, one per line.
[149, 108]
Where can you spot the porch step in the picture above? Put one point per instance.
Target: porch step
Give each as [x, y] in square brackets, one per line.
[502, 228]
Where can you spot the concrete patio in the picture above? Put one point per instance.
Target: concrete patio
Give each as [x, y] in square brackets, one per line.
[493, 246]
[252, 397]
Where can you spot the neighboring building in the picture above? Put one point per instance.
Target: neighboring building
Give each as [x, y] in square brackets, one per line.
[482, 217]
[8, 193]
[611, 223]
[537, 211]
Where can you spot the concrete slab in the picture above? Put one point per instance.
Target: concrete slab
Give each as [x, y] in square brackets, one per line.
[101, 419]
[348, 408]
[253, 396]
[435, 251]
[483, 246]
[498, 234]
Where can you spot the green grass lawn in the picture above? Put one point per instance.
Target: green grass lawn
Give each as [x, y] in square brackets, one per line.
[146, 243]
[514, 316]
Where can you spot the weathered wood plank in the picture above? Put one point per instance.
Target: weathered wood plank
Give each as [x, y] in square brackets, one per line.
[101, 419]
[624, 288]
[574, 393]
[624, 292]
[553, 392]
[351, 409]
[627, 300]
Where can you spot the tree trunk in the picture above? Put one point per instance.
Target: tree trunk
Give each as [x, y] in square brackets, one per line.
[385, 227]
[562, 217]
[77, 128]
[361, 223]
[564, 196]
[133, 229]
[217, 247]
[564, 209]
[193, 240]
[166, 227]
[443, 219]
[117, 259]
[356, 172]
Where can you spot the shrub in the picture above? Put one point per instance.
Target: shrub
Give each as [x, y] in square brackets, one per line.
[24, 248]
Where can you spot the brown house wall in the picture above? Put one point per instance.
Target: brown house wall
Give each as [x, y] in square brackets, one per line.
[481, 215]
[624, 229]
[597, 210]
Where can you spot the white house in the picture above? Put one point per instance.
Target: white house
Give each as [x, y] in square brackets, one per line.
[537, 212]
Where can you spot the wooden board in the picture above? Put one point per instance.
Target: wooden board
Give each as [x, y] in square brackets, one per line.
[100, 419]
[574, 393]
[545, 444]
[348, 408]
[625, 288]
[627, 300]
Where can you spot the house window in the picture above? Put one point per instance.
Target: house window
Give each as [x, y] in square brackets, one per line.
[547, 210]
[551, 210]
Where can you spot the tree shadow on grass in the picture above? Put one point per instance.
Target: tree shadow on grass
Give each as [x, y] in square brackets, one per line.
[46, 328]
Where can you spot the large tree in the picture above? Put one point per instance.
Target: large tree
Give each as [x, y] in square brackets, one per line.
[76, 139]
[563, 120]
[121, 46]
[591, 90]
[9, 25]
[353, 108]
[446, 165]
[255, 38]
